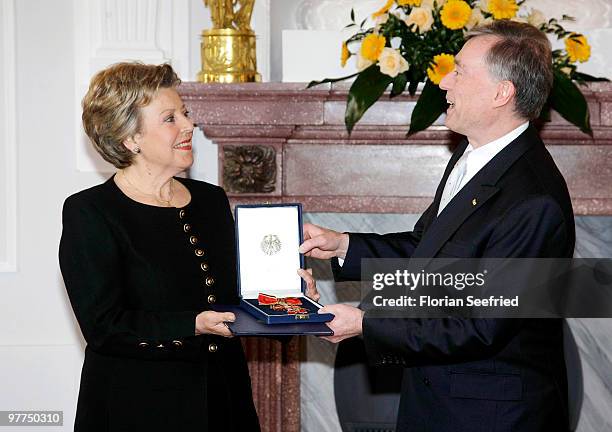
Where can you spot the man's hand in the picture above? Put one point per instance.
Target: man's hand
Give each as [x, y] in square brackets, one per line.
[323, 243]
[346, 323]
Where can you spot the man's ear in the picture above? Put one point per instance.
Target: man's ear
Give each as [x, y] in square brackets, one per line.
[505, 93]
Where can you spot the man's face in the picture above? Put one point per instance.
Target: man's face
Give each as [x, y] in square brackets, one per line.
[470, 89]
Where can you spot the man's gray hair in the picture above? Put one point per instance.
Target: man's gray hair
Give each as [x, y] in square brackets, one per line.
[523, 56]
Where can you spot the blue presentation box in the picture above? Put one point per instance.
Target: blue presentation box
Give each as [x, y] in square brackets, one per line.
[268, 237]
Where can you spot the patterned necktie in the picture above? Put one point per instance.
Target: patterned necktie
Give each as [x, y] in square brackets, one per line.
[453, 183]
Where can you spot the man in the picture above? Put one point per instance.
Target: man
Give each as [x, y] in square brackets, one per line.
[501, 196]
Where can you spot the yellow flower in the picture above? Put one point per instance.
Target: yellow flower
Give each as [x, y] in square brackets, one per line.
[392, 63]
[503, 9]
[384, 9]
[421, 17]
[345, 54]
[409, 2]
[577, 48]
[455, 14]
[372, 46]
[443, 64]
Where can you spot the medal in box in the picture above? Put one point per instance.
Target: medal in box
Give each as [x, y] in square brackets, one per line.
[268, 237]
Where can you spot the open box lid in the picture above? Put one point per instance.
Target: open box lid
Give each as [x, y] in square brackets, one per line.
[268, 237]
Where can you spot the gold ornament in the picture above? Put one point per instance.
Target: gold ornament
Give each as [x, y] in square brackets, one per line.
[228, 49]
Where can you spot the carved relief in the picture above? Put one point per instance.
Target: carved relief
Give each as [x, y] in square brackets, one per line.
[332, 14]
[132, 22]
[224, 14]
[589, 14]
[220, 59]
[249, 169]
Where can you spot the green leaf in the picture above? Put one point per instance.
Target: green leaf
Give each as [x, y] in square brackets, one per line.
[352, 15]
[399, 85]
[330, 80]
[412, 87]
[365, 91]
[568, 101]
[587, 77]
[431, 104]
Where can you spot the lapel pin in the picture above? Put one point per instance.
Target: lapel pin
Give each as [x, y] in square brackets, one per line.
[474, 202]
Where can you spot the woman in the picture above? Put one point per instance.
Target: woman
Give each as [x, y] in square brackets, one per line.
[143, 257]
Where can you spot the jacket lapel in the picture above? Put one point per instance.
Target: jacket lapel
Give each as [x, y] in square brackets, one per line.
[472, 196]
[449, 167]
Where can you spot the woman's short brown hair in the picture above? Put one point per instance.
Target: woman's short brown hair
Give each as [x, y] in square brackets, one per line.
[111, 107]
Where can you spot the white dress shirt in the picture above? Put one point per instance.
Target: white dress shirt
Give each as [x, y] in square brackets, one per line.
[475, 160]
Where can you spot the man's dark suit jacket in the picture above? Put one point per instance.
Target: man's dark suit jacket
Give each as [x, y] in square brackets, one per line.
[479, 374]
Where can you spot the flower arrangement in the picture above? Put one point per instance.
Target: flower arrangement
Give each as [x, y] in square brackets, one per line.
[415, 41]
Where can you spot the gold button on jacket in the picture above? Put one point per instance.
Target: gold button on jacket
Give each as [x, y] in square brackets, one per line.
[213, 348]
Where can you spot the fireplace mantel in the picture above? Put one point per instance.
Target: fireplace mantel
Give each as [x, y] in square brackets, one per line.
[281, 142]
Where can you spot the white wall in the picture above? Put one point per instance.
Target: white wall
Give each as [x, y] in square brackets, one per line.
[48, 51]
[8, 151]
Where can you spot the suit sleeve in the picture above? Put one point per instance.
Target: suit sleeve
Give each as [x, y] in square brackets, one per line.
[91, 265]
[534, 228]
[369, 245]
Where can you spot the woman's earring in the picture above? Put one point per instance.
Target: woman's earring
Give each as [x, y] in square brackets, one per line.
[136, 150]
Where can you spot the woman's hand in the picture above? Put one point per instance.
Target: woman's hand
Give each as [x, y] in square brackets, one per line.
[210, 322]
[311, 284]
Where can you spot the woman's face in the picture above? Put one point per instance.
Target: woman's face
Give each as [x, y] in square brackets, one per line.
[165, 139]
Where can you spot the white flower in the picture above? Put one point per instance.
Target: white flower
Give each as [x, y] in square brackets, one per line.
[483, 5]
[399, 14]
[421, 17]
[362, 63]
[381, 19]
[536, 18]
[392, 63]
[520, 19]
[477, 19]
[396, 42]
